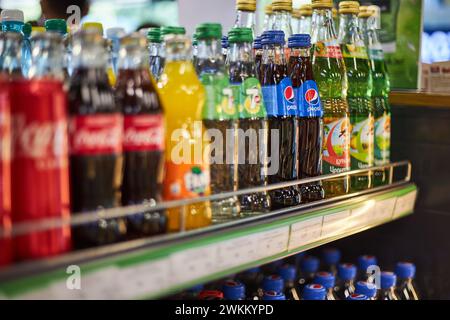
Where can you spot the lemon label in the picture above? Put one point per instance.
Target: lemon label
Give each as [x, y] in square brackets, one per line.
[250, 99]
[221, 102]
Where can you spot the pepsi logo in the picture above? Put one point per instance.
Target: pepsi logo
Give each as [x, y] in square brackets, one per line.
[312, 96]
[289, 94]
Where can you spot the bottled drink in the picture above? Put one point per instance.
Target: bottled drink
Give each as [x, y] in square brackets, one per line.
[273, 295]
[187, 176]
[252, 279]
[143, 142]
[268, 17]
[305, 19]
[289, 275]
[359, 95]
[346, 275]
[233, 290]
[253, 125]
[387, 283]
[166, 31]
[357, 297]
[14, 53]
[225, 49]
[156, 52]
[364, 262]
[194, 49]
[366, 288]
[282, 15]
[310, 112]
[272, 283]
[331, 258]
[40, 163]
[211, 295]
[314, 292]
[331, 78]
[220, 115]
[246, 15]
[308, 268]
[327, 280]
[114, 35]
[59, 26]
[380, 95]
[258, 53]
[405, 272]
[295, 21]
[283, 119]
[26, 48]
[96, 132]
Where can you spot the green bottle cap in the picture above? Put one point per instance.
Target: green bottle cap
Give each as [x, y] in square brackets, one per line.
[206, 31]
[26, 29]
[56, 25]
[240, 35]
[154, 35]
[172, 30]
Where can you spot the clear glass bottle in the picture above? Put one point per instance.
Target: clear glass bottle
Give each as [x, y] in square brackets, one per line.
[345, 280]
[406, 290]
[156, 52]
[305, 19]
[114, 35]
[282, 15]
[246, 15]
[268, 17]
[295, 21]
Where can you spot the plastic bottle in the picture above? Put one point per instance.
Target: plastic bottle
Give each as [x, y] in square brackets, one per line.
[272, 283]
[11, 55]
[156, 52]
[314, 292]
[405, 272]
[289, 274]
[364, 262]
[331, 258]
[13, 22]
[59, 26]
[387, 286]
[308, 268]
[246, 15]
[345, 285]
[305, 19]
[233, 290]
[366, 288]
[327, 280]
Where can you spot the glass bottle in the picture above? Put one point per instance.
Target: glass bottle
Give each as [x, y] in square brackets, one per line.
[246, 15]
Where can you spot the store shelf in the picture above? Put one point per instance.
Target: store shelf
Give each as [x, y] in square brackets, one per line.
[420, 99]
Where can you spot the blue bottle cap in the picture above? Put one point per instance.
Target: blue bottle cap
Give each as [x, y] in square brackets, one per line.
[225, 42]
[233, 290]
[253, 270]
[299, 40]
[196, 288]
[273, 283]
[273, 37]
[387, 279]
[287, 272]
[314, 292]
[346, 271]
[331, 256]
[366, 288]
[309, 264]
[357, 296]
[257, 44]
[273, 295]
[325, 278]
[366, 261]
[405, 270]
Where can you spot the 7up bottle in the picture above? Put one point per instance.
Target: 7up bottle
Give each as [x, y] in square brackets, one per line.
[219, 116]
[359, 95]
[331, 78]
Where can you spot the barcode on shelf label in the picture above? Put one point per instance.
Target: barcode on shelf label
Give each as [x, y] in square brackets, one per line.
[335, 223]
[191, 264]
[405, 204]
[362, 215]
[273, 242]
[305, 232]
[235, 252]
[384, 209]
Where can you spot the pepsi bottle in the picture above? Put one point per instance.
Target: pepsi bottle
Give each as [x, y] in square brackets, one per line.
[327, 280]
[331, 258]
[289, 275]
[387, 283]
[281, 107]
[346, 275]
[308, 268]
[233, 290]
[364, 262]
[314, 292]
[405, 272]
[252, 279]
[366, 288]
[272, 283]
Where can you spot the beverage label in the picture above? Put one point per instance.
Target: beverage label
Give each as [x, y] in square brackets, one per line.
[220, 99]
[308, 99]
[354, 51]
[185, 181]
[96, 134]
[336, 141]
[143, 132]
[5, 131]
[382, 139]
[328, 49]
[376, 54]
[249, 99]
[280, 99]
[361, 144]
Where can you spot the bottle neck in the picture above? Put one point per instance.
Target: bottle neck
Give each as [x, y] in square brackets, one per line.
[155, 49]
[11, 53]
[177, 51]
[373, 41]
[240, 52]
[322, 25]
[132, 58]
[349, 32]
[268, 20]
[273, 54]
[89, 56]
[300, 52]
[47, 59]
[209, 56]
[245, 19]
[305, 25]
[282, 21]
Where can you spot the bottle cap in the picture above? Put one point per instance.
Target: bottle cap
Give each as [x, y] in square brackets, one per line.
[268, 9]
[331, 256]
[225, 45]
[366, 288]
[257, 44]
[348, 7]
[387, 279]
[334, 12]
[37, 29]
[154, 35]
[322, 4]
[240, 35]
[282, 5]
[93, 26]
[233, 290]
[306, 10]
[366, 261]
[273, 295]
[27, 29]
[287, 272]
[309, 264]
[246, 5]
[56, 25]
[12, 15]
[207, 31]
[273, 37]
[314, 292]
[210, 295]
[273, 283]
[115, 33]
[326, 279]
[364, 12]
[172, 30]
[346, 271]
[296, 13]
[405, 270]
[357, 296]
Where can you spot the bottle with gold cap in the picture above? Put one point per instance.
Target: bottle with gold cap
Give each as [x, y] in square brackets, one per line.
[245, 15]
[359, 94]
[295, 21]
[268, 17]
[305, 19]
[282, 15]
[329, 72]
[336, 18]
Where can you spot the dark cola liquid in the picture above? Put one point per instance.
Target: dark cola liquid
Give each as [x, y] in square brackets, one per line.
[95, 179]
[287, 152]
[258, 64]
[310, 137]
[142, 176]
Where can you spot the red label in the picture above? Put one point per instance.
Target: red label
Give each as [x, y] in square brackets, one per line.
[143, 133]
[96, 134]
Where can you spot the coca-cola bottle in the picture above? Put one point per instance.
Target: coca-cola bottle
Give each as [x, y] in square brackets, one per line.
[96, 130]
[143, 141]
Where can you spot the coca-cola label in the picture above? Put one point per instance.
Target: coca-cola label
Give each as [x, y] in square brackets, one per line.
[143, 133]
[96, 134]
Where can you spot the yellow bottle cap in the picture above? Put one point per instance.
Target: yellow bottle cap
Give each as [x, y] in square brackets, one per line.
[364, 12]
[296, 13]
[38, 29]
[246, 5]
[282, 5]
[306, 10]
[268, 9]
[322, 4]
[348, 7]
[94, 26]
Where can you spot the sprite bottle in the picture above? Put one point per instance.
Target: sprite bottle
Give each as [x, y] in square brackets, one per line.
[380, 93]
[329, 72]
[359, 94]
[219, 116]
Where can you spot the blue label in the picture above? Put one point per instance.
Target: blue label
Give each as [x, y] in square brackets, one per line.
[308, 99]
[280, 99]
